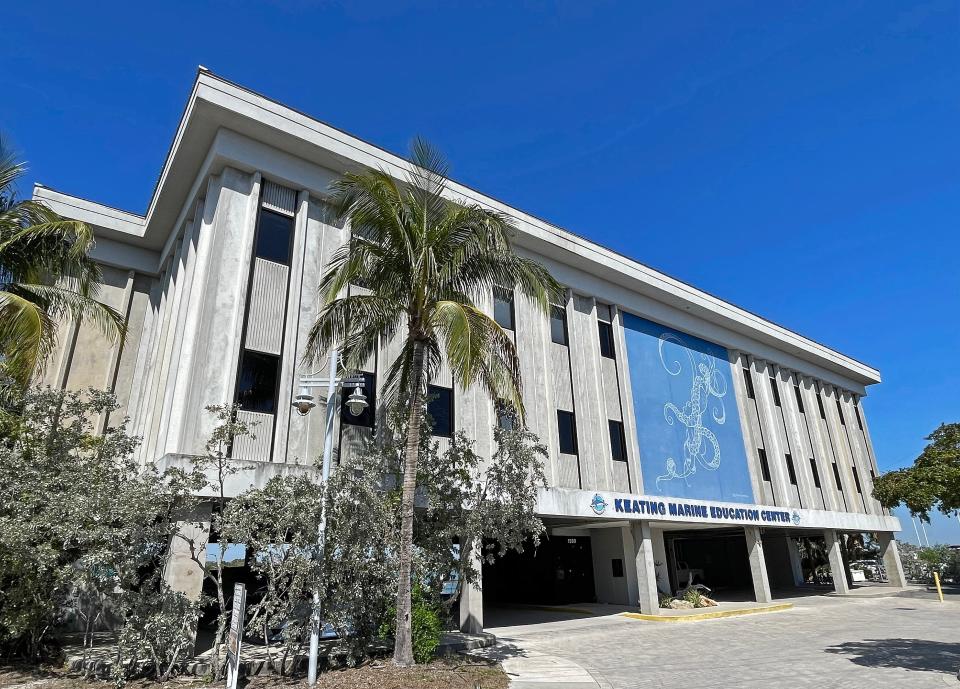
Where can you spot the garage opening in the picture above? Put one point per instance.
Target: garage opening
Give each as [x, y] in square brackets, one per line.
[557, 572]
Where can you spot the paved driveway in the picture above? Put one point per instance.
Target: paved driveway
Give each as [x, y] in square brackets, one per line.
[823, 642]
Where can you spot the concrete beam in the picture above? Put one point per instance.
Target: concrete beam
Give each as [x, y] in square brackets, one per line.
[796, 564]
[471, 599]
[758, 564]
[891, 559]
[181, 572]
[838, 569]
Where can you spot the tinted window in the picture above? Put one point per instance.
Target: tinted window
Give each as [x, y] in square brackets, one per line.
[506, 416]
[618, 442]
[823, 412]
[816, 474]
[775, 390]
[440, 409]
[273, 236]
[856, 408]
[764, 467]
[558, 324]
[257, 387]
[856, 479]
[840, 411]
[616, 567]
[369, 415]
[836, 477]
[748, 382]
[567, 431]
[606, 340]
[796, 391]
[791, 471]
[503, 307]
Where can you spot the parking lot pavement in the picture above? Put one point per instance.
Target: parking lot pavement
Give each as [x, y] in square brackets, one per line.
[823, 642]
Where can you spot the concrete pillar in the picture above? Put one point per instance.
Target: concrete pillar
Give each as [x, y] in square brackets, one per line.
[758, 564]
[646, 572]
[796, 564]
[181, 572]
[891, 559]
[838, 568]
[471, 599]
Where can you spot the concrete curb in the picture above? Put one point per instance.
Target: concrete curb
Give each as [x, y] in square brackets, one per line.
[715, 615]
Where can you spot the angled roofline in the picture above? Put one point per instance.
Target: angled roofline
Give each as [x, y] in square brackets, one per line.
[230, 97]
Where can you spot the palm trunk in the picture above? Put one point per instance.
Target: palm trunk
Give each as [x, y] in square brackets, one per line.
[403, 640]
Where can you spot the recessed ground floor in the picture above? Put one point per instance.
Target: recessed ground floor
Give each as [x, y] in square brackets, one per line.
[636, 564]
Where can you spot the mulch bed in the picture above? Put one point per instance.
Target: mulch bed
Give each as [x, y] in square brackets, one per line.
[445, 673]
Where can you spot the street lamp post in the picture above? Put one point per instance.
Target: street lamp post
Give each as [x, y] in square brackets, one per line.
[303, 403]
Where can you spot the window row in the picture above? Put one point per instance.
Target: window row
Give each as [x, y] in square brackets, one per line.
[504, 314]
[567, 436]
[775, 391]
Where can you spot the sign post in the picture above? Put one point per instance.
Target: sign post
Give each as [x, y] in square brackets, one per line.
[236, 634]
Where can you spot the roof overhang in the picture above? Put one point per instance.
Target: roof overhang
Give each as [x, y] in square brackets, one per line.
[221, 118]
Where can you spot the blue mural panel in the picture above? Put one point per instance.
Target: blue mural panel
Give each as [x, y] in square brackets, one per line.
[688, 424]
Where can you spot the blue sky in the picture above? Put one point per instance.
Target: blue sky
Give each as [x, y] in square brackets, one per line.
[800, 159]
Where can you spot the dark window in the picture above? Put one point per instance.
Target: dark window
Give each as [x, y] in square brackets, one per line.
[843, 421]
[856, 479]
[606, 340]
[618, 441]
[274, 232]
[775, 390]
[816, 474]
[503, 307]
[856, 408]
[748, 381]
[617, 567]
[764, 467]
[796, 391]
[558, 324]
[836, 477]
[257, 387]
[506, 415]
[368, 416]
[440, 409]
[823, 412]
[567, 431]
[791, 471]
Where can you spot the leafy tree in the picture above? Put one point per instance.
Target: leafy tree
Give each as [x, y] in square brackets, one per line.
[427, 263]
[46, 276]
[278, 524]
[932, 482]
[83, 528]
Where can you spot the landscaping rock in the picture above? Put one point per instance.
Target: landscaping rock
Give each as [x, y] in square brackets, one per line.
[681, 605]
[707, 602]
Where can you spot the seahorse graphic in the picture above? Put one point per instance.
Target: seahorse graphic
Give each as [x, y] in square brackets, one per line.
[706, 382]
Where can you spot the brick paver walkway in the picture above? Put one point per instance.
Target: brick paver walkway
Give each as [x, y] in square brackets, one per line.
[823, 642]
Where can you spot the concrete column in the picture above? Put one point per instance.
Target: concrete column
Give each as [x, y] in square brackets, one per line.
[891, 559]
[796, 564]
[838, 568]
[758, 564]
[471, 599]
[180, 571]
[646, 572]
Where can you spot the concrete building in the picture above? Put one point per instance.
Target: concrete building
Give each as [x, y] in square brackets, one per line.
[690, 440]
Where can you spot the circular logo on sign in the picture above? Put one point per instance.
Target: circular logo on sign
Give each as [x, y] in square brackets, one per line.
[796, 517]
[598, 504]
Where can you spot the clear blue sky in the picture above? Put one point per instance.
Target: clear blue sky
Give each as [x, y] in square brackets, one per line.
[800, 159]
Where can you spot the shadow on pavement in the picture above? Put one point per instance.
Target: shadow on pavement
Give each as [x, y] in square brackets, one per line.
[909, 654]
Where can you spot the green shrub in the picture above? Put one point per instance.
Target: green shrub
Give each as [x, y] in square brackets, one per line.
[693, 596]
[665, 600]
[426, 631]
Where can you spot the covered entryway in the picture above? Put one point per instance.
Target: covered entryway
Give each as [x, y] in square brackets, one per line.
[558, 571]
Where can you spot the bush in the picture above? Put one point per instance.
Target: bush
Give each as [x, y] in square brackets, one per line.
[692, 595]
[425, 630]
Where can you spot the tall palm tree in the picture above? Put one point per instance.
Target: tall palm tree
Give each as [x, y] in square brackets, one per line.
[46, 275]
[426, 262]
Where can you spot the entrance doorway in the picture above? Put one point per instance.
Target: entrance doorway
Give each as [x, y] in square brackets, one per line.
[718, 560]
[558, 572]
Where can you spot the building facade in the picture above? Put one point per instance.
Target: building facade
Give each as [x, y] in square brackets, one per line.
[688, 438]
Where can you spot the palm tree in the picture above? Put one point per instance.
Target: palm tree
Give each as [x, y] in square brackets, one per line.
[426, 262]
[46, 275]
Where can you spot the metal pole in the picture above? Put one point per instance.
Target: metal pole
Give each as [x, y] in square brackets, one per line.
[924, 530]
[325, 474]
[913, 520]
